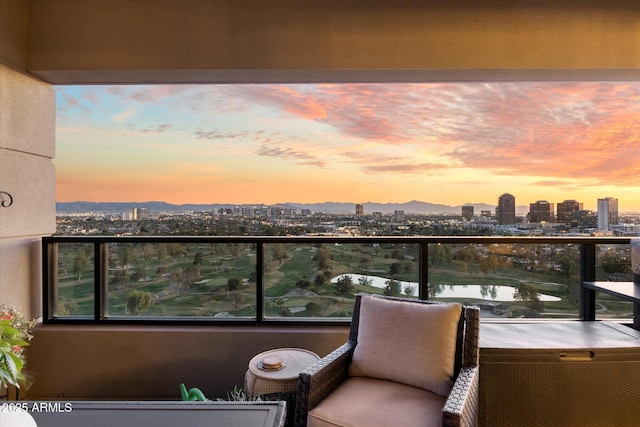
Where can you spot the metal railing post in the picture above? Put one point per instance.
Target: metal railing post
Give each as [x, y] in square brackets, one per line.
[587, 274]
[99, 284]
[423, 288]
[260, 282]
[49, 276]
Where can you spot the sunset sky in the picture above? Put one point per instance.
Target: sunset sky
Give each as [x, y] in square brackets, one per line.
[449, 143]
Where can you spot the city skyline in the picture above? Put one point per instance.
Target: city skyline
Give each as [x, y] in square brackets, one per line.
[448, 143]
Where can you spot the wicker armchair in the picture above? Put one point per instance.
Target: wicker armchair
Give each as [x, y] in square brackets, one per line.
[458, 408]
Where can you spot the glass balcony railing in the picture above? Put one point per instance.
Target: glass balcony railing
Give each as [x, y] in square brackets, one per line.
[314, 279]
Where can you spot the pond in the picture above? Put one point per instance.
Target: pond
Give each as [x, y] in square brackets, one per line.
[482, 292]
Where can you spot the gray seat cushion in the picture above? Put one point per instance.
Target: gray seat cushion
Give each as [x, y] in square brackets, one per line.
[369, 402]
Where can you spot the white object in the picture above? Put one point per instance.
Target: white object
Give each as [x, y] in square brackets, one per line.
[14, 416]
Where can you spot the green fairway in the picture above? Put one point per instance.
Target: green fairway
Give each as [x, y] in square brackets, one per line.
[206, 280]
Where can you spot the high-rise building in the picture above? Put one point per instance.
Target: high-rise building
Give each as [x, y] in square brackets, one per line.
[398, 215]
[586, 219]
[541, 211]
[607, 212]
[506, 210]
[143, 213]
[277, 211]
[135, 214]
[566, 211]
[467, 212]
[359, 209]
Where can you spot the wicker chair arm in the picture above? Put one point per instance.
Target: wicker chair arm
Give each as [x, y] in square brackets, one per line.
[320, 379]
[461, 408]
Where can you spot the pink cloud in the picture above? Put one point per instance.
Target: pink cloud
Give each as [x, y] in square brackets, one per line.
[269, 148]
[562, 130]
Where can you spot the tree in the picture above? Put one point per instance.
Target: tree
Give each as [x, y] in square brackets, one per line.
[408, 267]
[569, 261]
[319, 280]
[235, 248]
[234, 283]
[364, 262]
[395, 268]
[285, 312]
[313, 309]
[127, 255]
[67, 307]
[198, 258]
[612, 263]
[81, 263]
[303, 283]
[529, 295]
[175, 250]
[392, 289]
[118, 277]
[148, 252]
[437, 254]
[485, 265]
[322, 257]
[191, 275]
[177, 276]
[138, 301]
[344, 285]
[468, 253]
[139, 272]
[161, 252]
[397, 253]
[363, 281]
[408, 291]
[237, 297]
[279, 253]
[493, 263]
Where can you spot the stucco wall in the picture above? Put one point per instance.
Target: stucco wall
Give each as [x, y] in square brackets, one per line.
[27, 141]
[102, 362]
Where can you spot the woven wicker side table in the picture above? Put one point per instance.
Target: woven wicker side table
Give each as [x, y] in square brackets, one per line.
[259, 382]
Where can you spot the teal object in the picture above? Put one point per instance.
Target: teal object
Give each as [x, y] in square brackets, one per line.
[193, 395]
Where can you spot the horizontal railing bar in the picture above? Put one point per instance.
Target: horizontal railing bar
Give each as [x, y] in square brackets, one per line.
[351, 239]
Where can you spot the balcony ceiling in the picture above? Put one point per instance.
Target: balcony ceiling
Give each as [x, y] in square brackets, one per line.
[213, 41]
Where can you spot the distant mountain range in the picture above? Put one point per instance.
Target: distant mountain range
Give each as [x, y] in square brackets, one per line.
[411, 207]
